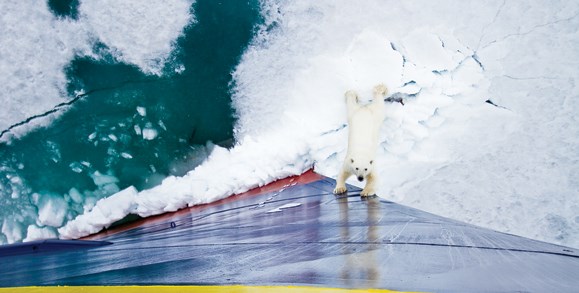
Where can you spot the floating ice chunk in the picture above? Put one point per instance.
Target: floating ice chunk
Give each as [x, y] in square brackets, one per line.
[138, 129]
[150, 133]
[75, 195]
[113, 137]
[15, 180]
[54, 151]
[92, 136]
[162, 125]
[12, 229]
[102, 179]
[36, 233]
[75, 167]
[142, 111]
[112, 152]
[179, 69]
[285, 206]
[80, 92]
[126, 155]
[52, 209]
[88, 203]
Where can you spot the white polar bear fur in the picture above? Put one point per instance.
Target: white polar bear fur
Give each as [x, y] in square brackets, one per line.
[364, 128]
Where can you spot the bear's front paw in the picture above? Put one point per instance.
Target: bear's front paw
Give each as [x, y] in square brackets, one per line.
[367, 192]
[340, 189]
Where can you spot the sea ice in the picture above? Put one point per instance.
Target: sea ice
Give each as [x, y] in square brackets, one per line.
[34, 80]
[142, 111]
[40, 233]
[150, 133]
[447, 150]
[135, 33]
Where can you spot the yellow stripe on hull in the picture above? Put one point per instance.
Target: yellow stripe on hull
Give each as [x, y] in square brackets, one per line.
[194, 289]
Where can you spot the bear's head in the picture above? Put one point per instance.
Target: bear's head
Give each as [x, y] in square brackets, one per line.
[361, 166]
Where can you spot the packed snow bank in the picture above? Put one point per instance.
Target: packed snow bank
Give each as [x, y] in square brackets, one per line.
[488, 133]
[105, 212]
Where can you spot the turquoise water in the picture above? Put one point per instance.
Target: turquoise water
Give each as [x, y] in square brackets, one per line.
[126, 127]
[64, 8]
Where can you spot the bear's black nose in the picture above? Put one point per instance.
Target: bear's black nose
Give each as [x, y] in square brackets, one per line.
[360, 178]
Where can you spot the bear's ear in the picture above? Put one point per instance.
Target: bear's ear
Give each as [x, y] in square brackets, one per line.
[371, 162]
[352, 160]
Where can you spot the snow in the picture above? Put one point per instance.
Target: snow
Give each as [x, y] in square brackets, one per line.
[512, 166]
[33, 80]
[103, 214]
[52, 209]
[252, 163]
[39, 233]
[12, 230]
[138, 34]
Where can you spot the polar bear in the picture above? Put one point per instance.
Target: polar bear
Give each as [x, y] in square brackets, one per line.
[364, 123]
